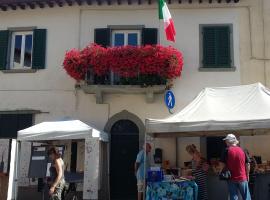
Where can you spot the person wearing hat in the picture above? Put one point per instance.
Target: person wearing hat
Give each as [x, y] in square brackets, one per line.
[237, 162]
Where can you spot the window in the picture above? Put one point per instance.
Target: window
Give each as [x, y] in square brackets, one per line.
[123, 38]
[216, 46]
[120, 36]
[10, 125]
[215, 147]
[21, 50]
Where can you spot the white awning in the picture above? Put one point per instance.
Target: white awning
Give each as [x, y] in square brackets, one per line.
[217, 110]
[60, 130]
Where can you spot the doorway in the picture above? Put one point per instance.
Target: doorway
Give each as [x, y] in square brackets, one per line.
[124, 149]
[215, 147]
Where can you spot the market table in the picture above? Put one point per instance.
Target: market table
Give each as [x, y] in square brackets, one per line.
[262, 186]
[172, 190]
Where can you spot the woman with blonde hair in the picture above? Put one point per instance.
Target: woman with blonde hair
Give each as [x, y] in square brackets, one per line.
[199, 171]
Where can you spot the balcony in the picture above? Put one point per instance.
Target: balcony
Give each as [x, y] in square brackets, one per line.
[100, 86]
[100, 90]
[146, 70]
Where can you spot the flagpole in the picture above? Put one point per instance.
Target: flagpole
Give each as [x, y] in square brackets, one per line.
[159, 26]
[159, 32]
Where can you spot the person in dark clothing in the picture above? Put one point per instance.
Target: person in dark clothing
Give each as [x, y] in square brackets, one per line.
[237, 162]
[253, 162]
[57, 175]
[253, 169]
[199, 171]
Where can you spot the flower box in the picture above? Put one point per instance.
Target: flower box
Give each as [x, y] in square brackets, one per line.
[144, 65]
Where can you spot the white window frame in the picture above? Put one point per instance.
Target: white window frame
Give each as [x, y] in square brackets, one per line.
[23, 34]
[125, 32]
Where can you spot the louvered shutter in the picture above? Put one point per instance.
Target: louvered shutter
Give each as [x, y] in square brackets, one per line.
[209, 47]
[216, 47]
[39, 48]
[4, 38]
[223, 47]
[103, 36]
[149, 36]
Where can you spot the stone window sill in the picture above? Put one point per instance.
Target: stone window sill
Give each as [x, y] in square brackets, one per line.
[100, 90]
[14, 71]
[217, 69]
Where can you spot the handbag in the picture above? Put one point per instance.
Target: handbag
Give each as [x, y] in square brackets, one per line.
[225, 175]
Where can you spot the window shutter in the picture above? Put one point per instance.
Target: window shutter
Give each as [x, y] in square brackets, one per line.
[103, 37]
[223, 47]
[149, 36]
[4, 38]
[216, 46]
[209, 47]
[39, 48]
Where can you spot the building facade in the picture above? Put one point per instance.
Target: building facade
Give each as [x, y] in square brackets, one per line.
[224, 43]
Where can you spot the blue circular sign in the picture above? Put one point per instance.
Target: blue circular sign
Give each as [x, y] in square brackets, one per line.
[169, 99]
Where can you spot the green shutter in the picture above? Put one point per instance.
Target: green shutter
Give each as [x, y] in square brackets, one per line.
[216, 47]
[103, 37]
[39, 48]
[4, 38]
[223, 46]
[149, 36]
[209, 47]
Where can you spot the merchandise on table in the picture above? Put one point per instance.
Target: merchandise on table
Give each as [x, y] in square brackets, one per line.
[166, 184]
[173, 190]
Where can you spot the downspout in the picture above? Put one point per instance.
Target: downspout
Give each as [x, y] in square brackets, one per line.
[254, 57]
[264, 42]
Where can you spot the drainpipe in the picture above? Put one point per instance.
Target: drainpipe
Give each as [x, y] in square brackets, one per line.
[264, 43]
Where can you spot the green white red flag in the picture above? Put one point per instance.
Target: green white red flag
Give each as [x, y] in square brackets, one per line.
[165, 14]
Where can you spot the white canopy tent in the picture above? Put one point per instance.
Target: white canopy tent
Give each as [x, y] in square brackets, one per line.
[215, 111]
[62, 130]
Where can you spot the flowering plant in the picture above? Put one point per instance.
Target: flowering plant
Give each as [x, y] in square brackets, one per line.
[147, 65]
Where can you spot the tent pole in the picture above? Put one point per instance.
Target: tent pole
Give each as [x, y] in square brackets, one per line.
[176, 152]
[18, 163]
[13, 173]
[144, 166]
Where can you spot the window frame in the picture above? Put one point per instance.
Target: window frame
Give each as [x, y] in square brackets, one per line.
[12, 48]
[201, 47]
[126, 32]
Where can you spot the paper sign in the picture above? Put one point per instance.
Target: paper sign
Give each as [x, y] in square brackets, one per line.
[38, 158]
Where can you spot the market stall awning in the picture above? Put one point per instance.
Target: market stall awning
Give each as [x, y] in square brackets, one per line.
[216, 110]
[60, 130]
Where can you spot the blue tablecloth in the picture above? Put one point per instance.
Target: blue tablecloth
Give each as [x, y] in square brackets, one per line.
[173, 190]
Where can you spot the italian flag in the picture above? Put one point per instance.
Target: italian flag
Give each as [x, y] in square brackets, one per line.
[165, 14]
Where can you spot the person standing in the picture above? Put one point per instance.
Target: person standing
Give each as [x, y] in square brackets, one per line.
[139, 169]
[199, 171]
[237, 162]
[57, 174]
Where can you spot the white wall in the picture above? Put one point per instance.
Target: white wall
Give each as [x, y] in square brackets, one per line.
[187, 23]
[52, 91]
